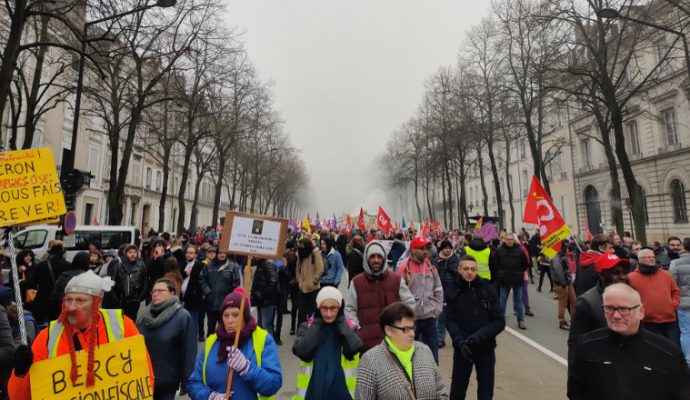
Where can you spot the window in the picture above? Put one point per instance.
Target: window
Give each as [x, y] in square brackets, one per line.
[88, 213]
[159, 181]
[525, 183]
[668, 120]
[93, 159]
[30, 239]
[149, 174]
[680, 210]
[554, 166]
[633, 138]
[586, 152]
[108, 159]
[136, 172]
[522, 148]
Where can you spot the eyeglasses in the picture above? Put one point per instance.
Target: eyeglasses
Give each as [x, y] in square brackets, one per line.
[156, 291]
[621, 310]
[332, 309]
[404, 329]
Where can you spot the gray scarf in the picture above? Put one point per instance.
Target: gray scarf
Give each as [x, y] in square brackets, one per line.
[156, 315]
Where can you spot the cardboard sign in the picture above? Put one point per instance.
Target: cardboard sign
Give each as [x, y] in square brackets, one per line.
[29, 187]
[121, 370]
[488, 232]
[253, 235]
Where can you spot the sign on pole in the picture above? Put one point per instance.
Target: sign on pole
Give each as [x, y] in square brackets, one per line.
[29, 187]
[70, 224]
[121, 370]
[253, 235]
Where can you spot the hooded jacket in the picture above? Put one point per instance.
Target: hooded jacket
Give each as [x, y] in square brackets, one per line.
[369, 294]
[586, 277]
[309, 271]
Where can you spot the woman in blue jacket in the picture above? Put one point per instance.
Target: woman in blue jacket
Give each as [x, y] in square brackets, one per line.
[255, 363]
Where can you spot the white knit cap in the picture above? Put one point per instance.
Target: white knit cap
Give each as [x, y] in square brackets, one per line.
[329, 293]
[89, 283]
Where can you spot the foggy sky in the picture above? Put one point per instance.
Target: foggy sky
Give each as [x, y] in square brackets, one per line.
[346, 75]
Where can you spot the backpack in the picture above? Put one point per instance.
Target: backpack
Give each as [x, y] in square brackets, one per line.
[60, 284]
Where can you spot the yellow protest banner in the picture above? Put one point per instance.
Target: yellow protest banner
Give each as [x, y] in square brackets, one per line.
[29, 187]
[121, 370]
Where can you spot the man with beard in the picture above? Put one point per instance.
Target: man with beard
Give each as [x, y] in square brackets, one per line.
[586, 276]
[192, 295]
[660, 295]
[588, 314]
[371, 291]
[309, 270]
[80, 326]
[130, 282]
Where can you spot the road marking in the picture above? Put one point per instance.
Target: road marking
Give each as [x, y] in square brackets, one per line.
[537, 346]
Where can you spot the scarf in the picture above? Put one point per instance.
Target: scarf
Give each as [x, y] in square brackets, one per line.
[405, 357]
[228, 338]
[304, 252]
[328, 379]
[156, 315]
[648, 269]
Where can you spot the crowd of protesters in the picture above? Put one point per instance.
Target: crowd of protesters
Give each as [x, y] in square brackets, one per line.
[370, 310]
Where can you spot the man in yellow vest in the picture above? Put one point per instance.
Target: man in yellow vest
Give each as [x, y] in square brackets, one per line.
[478, 249]
[80, 320]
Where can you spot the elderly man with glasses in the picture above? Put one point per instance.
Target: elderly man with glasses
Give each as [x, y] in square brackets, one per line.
[623, 361]
[660, 294]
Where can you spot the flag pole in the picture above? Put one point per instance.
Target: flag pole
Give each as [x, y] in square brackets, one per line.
[240, 320]
[576, 242]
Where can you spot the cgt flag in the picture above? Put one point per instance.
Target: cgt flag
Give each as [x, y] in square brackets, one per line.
[540, 210]
[360, 221]
[384, 221]
[348, 225]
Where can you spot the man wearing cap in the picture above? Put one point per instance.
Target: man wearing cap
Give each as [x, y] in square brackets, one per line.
[425, 285]
[81, 325]
[371, 291]
[622, 361]
[660, 295]
[588, 314]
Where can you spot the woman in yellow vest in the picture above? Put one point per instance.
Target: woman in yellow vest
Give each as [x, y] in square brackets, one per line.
[256, 365]
[329, 351]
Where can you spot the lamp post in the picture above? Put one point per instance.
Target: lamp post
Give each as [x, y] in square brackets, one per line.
[611, 13]
[69, 164]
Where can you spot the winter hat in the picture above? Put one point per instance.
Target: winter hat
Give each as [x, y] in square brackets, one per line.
[234, 299]
[89, 283]
[374, 247]
[329, 293]
[608, 261]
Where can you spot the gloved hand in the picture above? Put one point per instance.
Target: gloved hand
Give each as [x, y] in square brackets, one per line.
[237, 361]
[216, 396]
[23, 358]
[466, 352]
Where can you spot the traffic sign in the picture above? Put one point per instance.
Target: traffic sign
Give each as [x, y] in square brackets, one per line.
[70, 224]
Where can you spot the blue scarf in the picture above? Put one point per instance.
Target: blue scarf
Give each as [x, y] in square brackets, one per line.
[328, 379]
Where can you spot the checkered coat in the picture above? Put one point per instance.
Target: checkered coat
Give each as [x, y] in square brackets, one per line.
[379, 378]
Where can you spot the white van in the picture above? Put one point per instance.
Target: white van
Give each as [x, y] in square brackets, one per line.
[36, 238]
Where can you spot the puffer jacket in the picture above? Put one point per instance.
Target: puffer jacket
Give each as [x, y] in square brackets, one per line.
[265, 284]
[131, 282]
[218, 281]
[509, 263]
[425, 285]
[680, 271]
[309, 272]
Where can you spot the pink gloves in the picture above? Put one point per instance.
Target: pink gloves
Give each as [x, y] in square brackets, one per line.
[237, 361]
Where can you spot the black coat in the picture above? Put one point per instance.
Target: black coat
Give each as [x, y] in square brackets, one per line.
[354, 263]
[476, 313]
[193, 297]
[588, 316]
[131, 282]
[44, 282]
[610, 366]
[265, 284]
[307, 339]
[448, 272]
[509, 263]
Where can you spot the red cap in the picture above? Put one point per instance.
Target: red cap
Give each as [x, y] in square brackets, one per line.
[608, 261]
[418, 242]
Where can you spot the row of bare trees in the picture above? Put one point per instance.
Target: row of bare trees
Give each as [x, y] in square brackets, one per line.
[527, 64]
[174, 79]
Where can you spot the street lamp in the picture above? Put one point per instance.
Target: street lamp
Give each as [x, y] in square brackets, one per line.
[68, 165]
[611, 13]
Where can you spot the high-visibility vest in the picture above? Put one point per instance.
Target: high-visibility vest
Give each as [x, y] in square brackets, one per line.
[258, 339]
[306, 368]
[482, 258]
[115, 331]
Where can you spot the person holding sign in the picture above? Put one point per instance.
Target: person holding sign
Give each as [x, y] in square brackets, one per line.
[255, 362]
[80, 326]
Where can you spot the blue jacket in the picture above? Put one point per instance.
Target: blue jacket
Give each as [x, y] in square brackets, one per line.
[265, 380]
[172, 347]
[334, 272]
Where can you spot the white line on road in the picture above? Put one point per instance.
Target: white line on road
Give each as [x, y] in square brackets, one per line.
[537, 346]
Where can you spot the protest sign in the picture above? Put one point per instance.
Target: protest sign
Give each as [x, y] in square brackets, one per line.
[253, 235]
[29, 187]
[488, 232]
[121, 370]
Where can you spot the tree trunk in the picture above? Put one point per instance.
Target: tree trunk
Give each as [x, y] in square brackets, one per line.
[509, 188]
[219, 187]
[485, 200]
[11, 51]
[450, 195]
[32, 100]
[616, 206]
[195, 210]
[497, 182]
[416, 190]
[181, 206]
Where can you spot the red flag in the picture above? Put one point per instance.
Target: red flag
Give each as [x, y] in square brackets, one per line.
[424, 232]
[384, 221]
[360, 220]
[587, 231]
[95, 221]
[437, 225]
[540, 210]
[348, 225]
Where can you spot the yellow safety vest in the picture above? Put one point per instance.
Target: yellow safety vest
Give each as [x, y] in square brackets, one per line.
[258, 339]
[306, 368]
[115, 331]
[482, 258]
